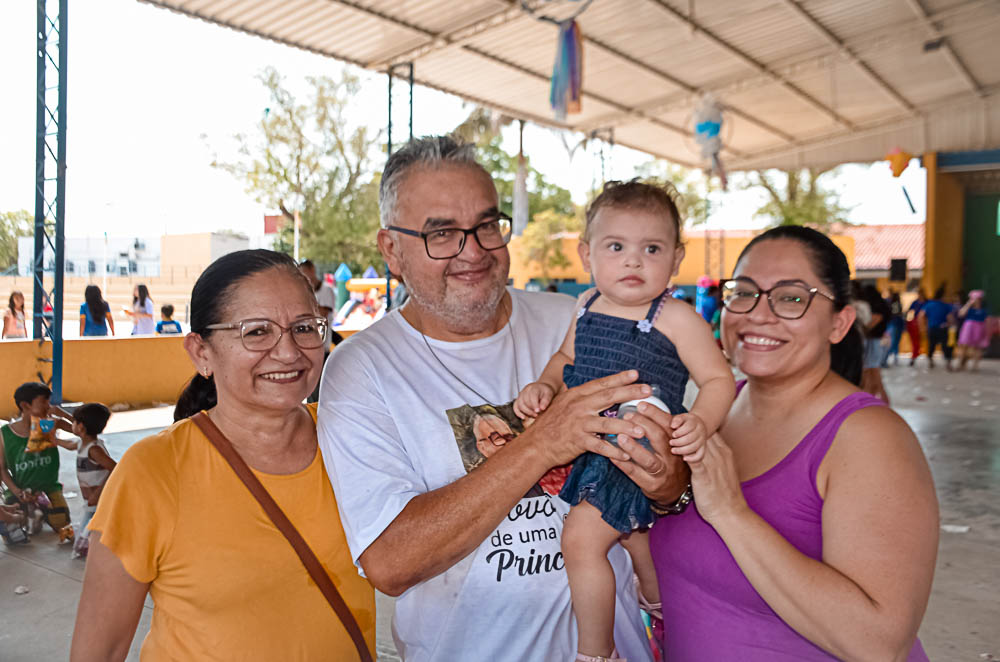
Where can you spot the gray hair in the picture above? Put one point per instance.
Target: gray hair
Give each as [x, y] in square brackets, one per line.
[429, 151]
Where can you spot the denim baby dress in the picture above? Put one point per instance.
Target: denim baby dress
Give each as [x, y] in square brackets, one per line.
[606, 345]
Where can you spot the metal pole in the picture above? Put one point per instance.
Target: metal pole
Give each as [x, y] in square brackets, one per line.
[389, 147]
[411, 100]
[38, 268]
[60, 248]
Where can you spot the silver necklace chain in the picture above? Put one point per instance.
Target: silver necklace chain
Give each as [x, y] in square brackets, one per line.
[513, 345]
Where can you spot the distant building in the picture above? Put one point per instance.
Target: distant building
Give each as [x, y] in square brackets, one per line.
[115, 256]
[183, 255]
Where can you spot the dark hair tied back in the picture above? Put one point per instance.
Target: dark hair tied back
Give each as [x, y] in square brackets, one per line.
[830, 264]
[198, 394]
[209, 299]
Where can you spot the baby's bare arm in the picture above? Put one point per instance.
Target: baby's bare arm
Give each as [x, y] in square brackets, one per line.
[704, 360]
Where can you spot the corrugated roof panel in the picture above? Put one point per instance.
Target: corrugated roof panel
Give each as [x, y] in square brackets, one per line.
[848, 17]
[508, 59]
[437, 17]
[649, 33]
[845, 89]
[787, 34]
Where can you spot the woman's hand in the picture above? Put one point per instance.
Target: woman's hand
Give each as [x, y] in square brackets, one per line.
[716, 483]
[661, 475]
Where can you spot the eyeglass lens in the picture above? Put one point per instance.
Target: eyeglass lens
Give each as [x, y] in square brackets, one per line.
[264, 334]
[787, 301]
[449, 242]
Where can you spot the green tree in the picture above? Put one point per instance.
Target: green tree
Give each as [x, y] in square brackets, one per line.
[13, 224]
[693, 187]
[797, 198]
[307, 157]
[482, 127]
[542, 240]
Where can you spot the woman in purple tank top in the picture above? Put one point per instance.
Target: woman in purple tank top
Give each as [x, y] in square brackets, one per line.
[816, 524]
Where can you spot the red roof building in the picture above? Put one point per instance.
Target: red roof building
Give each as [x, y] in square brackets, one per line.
[875, 246]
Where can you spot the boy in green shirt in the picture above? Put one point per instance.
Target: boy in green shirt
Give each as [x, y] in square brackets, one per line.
[23, 469]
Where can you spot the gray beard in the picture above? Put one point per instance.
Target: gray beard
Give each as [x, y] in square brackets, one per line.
[456, 315]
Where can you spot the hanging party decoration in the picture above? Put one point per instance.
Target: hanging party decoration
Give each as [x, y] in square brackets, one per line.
[707, 133]
[567, 73]
[898, 160]
[520, 204]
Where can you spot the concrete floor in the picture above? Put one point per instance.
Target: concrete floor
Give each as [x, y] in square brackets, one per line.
[956, 417]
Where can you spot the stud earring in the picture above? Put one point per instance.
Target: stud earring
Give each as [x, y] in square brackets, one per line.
[205, 373]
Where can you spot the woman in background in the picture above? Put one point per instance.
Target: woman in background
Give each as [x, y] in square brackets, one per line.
[13, 320]
[142, 312]
[95, 314]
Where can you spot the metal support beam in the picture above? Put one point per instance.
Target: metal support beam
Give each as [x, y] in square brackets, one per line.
[50, 170]
[946, 48]
[757, 65]
[837, 43]
[408, 66]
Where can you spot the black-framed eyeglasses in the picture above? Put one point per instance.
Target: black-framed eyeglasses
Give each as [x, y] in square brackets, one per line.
[787, 299]
[446, 243]
[260, 335]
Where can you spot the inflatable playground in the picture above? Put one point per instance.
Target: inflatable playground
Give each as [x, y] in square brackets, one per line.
[360, 301]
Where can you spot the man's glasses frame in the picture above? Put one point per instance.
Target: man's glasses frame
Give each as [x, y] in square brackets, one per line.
[322, 326]
[506, 228]
[732, 284]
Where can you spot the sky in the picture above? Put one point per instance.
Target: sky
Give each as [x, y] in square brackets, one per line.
[153, 96]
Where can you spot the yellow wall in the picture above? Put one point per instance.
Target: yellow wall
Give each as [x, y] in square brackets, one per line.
[692, 267]
[135, 371]
[129, 370]
[945, 228]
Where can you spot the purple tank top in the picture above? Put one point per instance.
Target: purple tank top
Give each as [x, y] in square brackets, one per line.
[710, 609]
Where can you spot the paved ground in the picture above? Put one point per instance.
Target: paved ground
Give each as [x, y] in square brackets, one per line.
[955, 416]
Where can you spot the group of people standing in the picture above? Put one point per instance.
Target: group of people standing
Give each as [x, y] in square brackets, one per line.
[952, 325]
[789, 516]
[96, 319]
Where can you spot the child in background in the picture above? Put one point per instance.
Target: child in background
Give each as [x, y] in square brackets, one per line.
[93, 465]
[167, 326]
[632, 247]
[26, 473]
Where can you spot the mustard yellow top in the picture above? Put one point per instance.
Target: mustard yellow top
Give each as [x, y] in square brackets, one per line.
[225, 583]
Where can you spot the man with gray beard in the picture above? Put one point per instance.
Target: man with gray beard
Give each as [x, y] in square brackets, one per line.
[471, 551]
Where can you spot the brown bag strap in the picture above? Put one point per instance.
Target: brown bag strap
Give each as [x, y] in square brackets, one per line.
[280, 520]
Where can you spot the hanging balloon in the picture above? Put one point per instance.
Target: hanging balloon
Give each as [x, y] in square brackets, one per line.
[707, 133]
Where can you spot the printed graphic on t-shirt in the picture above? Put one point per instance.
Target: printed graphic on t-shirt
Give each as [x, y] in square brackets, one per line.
[482, 430]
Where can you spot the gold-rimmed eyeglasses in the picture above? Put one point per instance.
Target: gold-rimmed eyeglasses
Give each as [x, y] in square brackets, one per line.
[261, 334]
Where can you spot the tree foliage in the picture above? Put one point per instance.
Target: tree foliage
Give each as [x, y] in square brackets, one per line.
[13, 224]
[542, 240]
[308, 157]
[482, 127]
[692, 186]
[551, 209]
[799, 199]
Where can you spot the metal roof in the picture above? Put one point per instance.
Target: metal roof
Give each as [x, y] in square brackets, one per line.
[804, 82]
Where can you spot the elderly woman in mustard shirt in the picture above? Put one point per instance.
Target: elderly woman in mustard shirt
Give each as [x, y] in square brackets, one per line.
[175, 522]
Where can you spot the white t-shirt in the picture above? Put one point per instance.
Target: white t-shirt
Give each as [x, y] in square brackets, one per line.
[143, 325]
[393, 424]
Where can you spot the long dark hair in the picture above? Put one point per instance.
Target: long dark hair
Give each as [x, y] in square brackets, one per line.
[830, 264]
[10, 301]
[95, 303]
[143, 295]
[209, 299]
